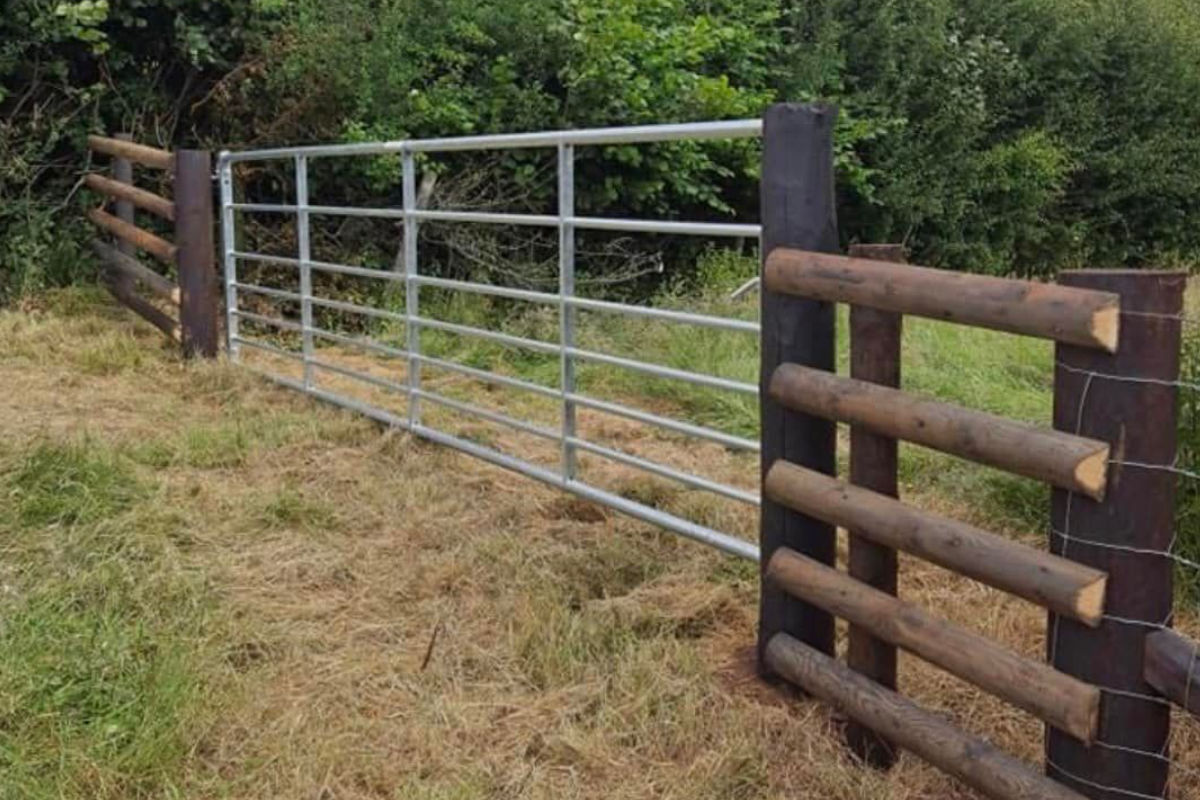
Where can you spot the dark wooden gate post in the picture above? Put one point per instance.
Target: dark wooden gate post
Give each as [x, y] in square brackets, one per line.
[1137, 416]
[798, 210]
[874, 357]
[194, 238]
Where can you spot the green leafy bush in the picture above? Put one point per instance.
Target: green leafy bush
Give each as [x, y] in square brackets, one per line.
[72, 68]
[996, 135]
[1019, 135]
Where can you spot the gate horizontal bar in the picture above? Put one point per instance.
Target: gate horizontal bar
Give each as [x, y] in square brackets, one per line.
[635, 134]
[353, 374]
[686, 528]
[268, 348]
[264, 208]
[669, 315]
[490, 217]
[670, 227]
[491, 377]
[360, 272]
[658, 371]
[488, 414]
[282, 324]
[254, 288]
[365, 344]
[355, 308]
[685, 428]
[686, 478]
[666, 227]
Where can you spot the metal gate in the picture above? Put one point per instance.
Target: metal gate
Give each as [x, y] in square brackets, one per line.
[565, 474]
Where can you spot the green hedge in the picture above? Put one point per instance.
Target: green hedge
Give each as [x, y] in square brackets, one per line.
[996, 135]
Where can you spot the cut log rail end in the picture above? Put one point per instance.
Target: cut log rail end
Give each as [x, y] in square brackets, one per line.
[1083, 317]
[972, 760]
[1067, 703]
[1061, 585]
[1060, 459]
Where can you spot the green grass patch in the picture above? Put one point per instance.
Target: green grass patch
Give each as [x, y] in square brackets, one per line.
[104, 672]
[230, 443]
[292, 508]
[58, 484]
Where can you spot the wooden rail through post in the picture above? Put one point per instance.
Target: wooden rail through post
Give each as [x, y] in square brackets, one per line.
[798, 210]
[970, 759]
[1173, 669]
[874, 357]
[1065, 702]
[1129, 400]
[194, 238]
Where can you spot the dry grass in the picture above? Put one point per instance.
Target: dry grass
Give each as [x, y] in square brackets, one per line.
[400, 621]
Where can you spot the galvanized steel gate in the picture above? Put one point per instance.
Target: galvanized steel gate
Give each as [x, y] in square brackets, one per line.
[566, 301]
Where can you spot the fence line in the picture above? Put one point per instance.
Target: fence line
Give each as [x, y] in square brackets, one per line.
[1107, 707]
[193, 299]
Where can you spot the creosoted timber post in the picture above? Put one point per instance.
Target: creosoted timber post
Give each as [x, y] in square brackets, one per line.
[1129, 400]
[122, 171]
[874, 357]
[194, 238]
[798, 210]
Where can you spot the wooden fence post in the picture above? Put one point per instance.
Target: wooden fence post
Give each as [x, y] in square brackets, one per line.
[874, 357]
[1129, 400]
[122, 172]
[798, 210]
[194, 238]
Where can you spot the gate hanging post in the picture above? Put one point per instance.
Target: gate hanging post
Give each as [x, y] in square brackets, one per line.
[874, 357]
[196, 257]
[1130, 400]
[798, 208]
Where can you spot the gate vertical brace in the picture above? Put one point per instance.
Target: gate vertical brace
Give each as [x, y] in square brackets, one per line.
[566, 291]
[1128, 399]
[412, 328]
[196, 258]
[304, 254]
[225, 181]
[798, 209]
[875, 357]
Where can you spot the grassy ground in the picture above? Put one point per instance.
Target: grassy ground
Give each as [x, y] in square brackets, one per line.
[213, 588]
